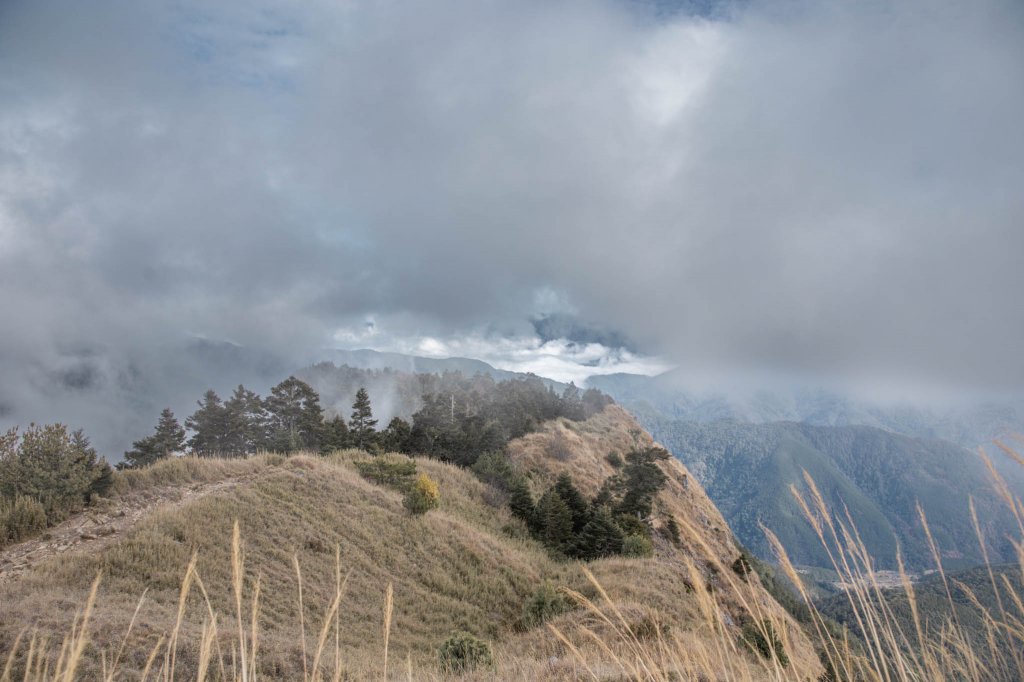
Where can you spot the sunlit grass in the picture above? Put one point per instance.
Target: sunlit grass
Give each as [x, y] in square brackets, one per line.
[221, 636]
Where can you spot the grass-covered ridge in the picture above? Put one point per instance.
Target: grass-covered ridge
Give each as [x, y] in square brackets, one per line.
[467, 566]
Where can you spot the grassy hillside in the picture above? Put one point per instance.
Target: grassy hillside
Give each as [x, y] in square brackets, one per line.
[879, 476]
[467, 565]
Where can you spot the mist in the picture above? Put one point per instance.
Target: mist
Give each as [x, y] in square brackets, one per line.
[827, 190]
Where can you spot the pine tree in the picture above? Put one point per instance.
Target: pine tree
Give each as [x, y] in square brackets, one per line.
[336, 435]
[520, 502]
[572, 404]
[168, 439]
[395, 437]
[295, 417]
[601, 537]
[573, 498]
[210, 426]
[361, 425]
[554, 521]
[246, 422]
[642, 479]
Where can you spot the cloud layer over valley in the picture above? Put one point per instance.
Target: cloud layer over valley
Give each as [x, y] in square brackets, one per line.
[828, 189]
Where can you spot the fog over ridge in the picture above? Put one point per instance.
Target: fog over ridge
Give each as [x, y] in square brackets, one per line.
[822, 189]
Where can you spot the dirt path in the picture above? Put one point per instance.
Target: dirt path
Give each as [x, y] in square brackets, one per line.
[97, 527]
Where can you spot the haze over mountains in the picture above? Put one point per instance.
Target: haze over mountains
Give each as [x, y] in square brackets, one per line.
[876, 459]
[785, 236]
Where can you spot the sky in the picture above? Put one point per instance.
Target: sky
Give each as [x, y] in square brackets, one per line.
[830, 190]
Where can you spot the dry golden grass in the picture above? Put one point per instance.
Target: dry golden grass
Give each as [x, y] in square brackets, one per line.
[307, 571]
[303, 569]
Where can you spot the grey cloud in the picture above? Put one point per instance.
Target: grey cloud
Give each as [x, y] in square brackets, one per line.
[822, 188]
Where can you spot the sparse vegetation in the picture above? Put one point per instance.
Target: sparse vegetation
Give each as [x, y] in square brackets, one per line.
[394, 472]
[741, 566]
[422, 495]
[21, 517]
[762, 638]
[311, 521]
[637, 545]
[462, 652]
[544, 604]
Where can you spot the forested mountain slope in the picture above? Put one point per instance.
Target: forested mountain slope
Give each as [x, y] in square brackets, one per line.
[878, 475]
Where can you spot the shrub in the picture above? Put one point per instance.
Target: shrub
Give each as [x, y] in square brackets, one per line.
[631, 525]
[422, 496]
[393, 472]
[463, 652]
[650, 626]
[755, 638]
[672, 531]
[615, 459]
[21, 518]
[495, 468]
[544, 604]
[54, 466]
[741, 566]
[637, 546]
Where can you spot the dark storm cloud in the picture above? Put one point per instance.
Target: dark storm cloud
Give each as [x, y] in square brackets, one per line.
[827, 188]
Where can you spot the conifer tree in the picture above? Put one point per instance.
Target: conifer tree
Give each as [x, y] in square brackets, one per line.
[246, 419]
[396, 436]
[336, 436]
[520, 502]
[642, 479]
[572, 404]
[554, 521]
[167, 439]
[361, 425]
[600, 537]
[295, 417]
[210, 426]
[573, 498]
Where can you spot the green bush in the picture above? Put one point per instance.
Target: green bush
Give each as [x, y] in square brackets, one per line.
[741, 566]
[393, 472]
[544, 604]
[56, 467]
[21, 518]
[637, 546]
[755, 638]
[631, 525]
[422, 496]
[463, 652]
[615, 459]
[495, 468]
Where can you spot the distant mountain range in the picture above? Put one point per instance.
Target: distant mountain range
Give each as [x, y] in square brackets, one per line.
[745, 449]
[876, 461]
[970, 424]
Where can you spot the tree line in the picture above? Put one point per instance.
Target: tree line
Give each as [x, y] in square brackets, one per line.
[464, 417]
